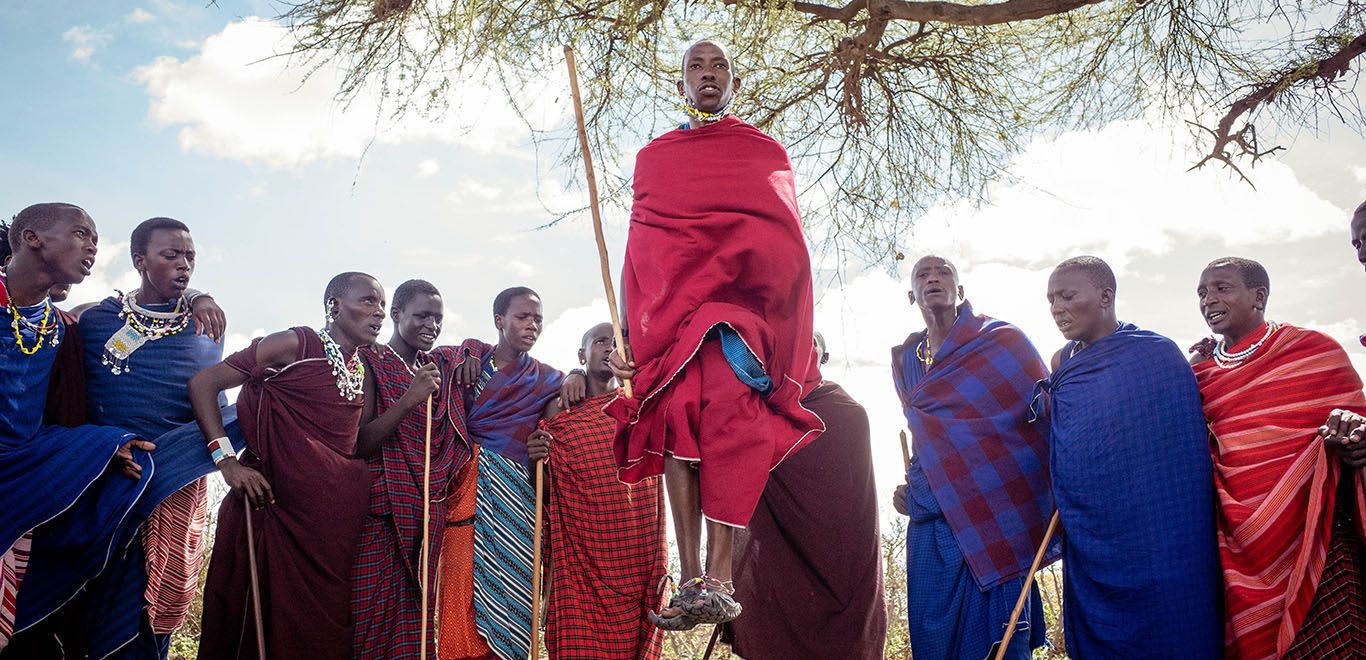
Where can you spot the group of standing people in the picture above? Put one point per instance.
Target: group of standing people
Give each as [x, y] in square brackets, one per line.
[1209, 507]
[385, 492]
[327, 545]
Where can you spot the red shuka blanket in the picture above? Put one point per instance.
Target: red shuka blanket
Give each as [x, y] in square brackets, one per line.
[607, 544]
[1276, 481]
[716, 238]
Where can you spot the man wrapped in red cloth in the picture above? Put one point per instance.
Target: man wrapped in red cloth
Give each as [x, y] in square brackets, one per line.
[718, 306]
[1291, 510]
[607, 545]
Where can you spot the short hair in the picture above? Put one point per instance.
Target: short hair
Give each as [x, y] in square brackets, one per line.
[37, 216]
[5, 250]
[1360, 212]
[589, 332]
[340, 284]
[1254, 274]
[142, 234]
[405, 292]
[683, 59]
[503, 300]
[1095, 269]
[948, 263]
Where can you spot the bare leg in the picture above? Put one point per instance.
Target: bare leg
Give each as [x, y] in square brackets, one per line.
[680, 478]
[720, 546]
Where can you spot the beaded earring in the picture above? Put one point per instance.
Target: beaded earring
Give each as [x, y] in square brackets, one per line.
[330, 314]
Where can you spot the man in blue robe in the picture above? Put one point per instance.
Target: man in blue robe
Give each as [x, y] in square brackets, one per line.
[1133, 481]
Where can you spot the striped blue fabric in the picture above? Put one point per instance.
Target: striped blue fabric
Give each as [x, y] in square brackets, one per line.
[505, 502]
[747, 367]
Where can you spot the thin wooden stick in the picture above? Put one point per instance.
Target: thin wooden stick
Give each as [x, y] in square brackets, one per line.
[1029, 581]
[426, 526]
[255, 584]
[536, 565]
[711, 644]
[597, 214]
[905, 453]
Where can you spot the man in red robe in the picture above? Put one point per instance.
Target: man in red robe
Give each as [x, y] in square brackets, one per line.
[718, 309]
[606, 538]
[299, 408]
[1290, 510]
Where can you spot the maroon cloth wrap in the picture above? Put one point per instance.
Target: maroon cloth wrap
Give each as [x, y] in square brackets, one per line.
[715, 237]
[809, 567]
[301, 435]
[66, 404]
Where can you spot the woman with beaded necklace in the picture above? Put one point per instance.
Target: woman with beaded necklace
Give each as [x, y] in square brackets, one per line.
[1267, 388]
[299, 408]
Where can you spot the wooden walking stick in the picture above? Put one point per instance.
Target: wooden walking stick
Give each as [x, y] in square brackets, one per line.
[597, 213]
[905, 453]
[255, 584]
[1024, 593]
[426, 526]
[536, 565]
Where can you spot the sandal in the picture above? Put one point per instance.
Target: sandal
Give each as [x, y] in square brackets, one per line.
[690, 591]
[716, 604]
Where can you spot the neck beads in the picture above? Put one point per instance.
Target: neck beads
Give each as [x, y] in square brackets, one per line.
[350, 373]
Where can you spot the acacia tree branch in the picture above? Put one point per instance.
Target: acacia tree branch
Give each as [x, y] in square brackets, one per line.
[1229, 143]
[952, 13]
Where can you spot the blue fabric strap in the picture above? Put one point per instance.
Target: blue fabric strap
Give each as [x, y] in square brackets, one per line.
[746, 366]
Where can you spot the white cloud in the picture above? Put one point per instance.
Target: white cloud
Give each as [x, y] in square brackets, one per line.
[559, 342]
[520, 268]
[257, 190]
[139, 16]
[84, 41]
[469, 190]
[1359, 173]
[428, 167]
[238, 98]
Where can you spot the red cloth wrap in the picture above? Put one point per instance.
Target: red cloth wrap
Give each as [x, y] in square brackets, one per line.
[1276, 480]
[715, 237]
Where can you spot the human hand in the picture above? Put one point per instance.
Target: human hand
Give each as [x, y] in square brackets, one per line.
[622, 369]
[899, 500]
[573, 389]
[209, 318]
[251, 483]
[1204, 347]
[123, 459]
[538, 445]
[467, 374]
[426, 382]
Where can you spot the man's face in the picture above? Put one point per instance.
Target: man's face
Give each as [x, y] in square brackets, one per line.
[934, 284]
[360, 311]
[68, 246]
[521, 325]
[597, 350]
[1359, 237]
[167, 265]
[1229, 307]
[708, 83]
[418, 322]
[1078, 305]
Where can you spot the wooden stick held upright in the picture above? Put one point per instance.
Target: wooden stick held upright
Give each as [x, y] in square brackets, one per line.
[597, 213]
[905, 453]
[1029, 581]
[536, 565]
[426, 527]
[255, 584]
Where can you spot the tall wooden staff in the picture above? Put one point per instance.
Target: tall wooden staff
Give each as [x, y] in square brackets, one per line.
[255, 584]
[905, 453]
[597, 213]
[426, 525]
[536, 565]
[1024, 593]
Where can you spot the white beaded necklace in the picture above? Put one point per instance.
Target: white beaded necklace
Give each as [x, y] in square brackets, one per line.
[1226, 360]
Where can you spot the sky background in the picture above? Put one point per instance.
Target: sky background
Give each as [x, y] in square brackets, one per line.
[163, 108]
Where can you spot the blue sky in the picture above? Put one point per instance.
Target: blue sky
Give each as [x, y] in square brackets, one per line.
[164, 108]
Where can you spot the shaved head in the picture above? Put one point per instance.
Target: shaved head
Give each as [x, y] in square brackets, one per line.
[1254, 275]
[39, 217]
[720, 46]
[1096, 270]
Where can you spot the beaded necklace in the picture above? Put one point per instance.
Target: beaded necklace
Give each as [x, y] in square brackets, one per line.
[705, 117]
[1225, 360]
[141, 325]
[45, 328]
[350, 373]
[923, 352]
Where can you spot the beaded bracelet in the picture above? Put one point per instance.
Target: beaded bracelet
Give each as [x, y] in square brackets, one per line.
[221, 449]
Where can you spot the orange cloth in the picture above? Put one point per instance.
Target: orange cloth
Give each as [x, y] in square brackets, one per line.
[457, 636]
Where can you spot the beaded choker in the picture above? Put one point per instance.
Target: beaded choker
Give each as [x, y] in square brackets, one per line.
[350, 373]
[923, 352]
[43, 330]
[141, 325]
[1226, 360]
[705, 117]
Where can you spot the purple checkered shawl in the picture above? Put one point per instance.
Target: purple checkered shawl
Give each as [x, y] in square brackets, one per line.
[507, 409]
[987, 465]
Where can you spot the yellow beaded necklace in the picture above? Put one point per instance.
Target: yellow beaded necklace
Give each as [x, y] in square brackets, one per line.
[42, 331]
